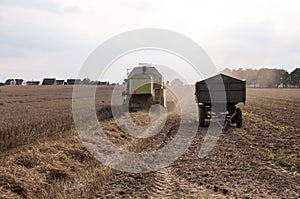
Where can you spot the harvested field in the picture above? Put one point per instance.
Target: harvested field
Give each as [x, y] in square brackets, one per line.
[260, 160]
[32, 112]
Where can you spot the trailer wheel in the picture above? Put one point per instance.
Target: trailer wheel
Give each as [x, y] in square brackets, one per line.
[232, 110]
[239, 118]
[202, 116]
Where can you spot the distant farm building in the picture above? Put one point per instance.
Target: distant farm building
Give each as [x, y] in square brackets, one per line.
[31, 83]
[49, 81]
[73, 81]
[14, 82]
[60, 82]
[2, 84]
[253, 85]
[103, 83]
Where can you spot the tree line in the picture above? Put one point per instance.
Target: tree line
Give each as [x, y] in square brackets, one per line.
[265, 77]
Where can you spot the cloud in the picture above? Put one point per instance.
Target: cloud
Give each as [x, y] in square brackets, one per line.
[59, 35]
[46, 5]
[257, 45]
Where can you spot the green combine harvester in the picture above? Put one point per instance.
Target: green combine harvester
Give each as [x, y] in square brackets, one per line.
[145, 87]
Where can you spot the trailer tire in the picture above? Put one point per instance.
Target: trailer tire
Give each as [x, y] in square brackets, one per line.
[202, 115]
[233, 111]
[239, 118]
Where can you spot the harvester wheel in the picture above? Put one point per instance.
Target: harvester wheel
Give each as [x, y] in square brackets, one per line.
[202, 115]
[239, 118]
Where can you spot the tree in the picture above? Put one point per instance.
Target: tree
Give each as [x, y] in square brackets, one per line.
[226, 71]
[239, 73]
[295, 77]
[251, 76]
[86, 81]
[264, 77]
[176, 82]
[272, 77]
[285, 78]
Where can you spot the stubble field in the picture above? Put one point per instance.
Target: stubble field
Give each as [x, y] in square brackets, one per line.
[42, 156]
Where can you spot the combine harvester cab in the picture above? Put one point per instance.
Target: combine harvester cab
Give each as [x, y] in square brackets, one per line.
[145, 87]
[235, 91]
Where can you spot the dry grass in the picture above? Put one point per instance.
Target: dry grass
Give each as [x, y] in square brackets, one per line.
[59, 167]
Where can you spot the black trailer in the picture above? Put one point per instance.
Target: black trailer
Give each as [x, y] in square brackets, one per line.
[219, 95]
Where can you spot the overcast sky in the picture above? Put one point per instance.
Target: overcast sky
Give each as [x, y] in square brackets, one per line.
[52, 38]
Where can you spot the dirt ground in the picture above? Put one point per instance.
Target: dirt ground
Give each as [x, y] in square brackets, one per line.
[259, 160]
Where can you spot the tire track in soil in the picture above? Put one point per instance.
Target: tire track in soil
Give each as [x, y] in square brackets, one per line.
[164, 183]
[160, 184]
[191, 177]
[168, 185]
[237, 167]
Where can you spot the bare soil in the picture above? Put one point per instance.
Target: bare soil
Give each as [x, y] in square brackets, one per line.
[259, 160]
